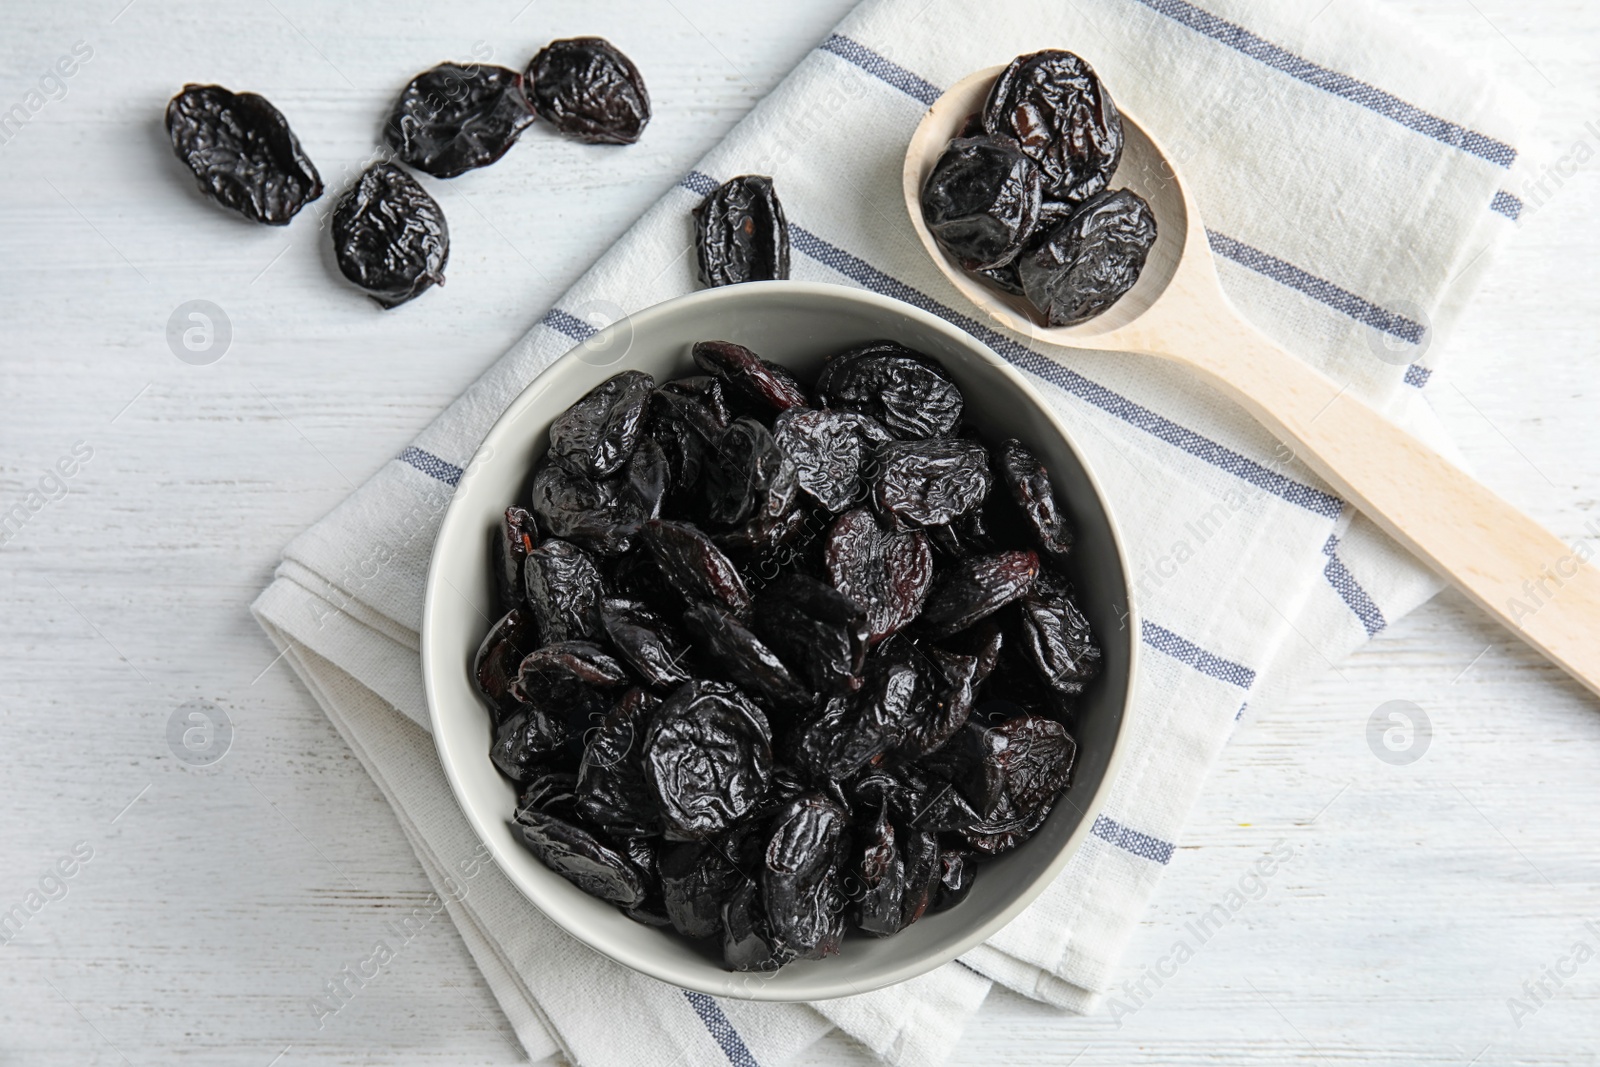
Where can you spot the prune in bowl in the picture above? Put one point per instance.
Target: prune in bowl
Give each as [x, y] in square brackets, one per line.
[797, 326]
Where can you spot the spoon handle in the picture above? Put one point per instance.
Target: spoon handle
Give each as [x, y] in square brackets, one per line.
[1516, 570]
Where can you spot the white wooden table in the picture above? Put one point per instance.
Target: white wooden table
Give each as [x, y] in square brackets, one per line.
[217, 901]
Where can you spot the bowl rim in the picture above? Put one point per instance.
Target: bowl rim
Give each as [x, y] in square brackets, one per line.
[436, 649]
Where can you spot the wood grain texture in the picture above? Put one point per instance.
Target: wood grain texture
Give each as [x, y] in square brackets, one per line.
[1419, 899]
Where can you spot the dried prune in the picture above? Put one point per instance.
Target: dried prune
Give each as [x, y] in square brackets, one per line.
[649, 477]
[500, 655]
[549, 791]
[612, 792]
[1028, 485]
[799, 877]
[758, 382]
[955, 878]
[1032, 757]
[1005, 278]
[748, 477]
[390, 236]
[888, 572]
[567, 681]
[828, 449]
[602, 517]
[523, 741]
[943, 700]
[452, 118]
[908, 393]
[652, 647]
[585, 88]
[820, 630]
[580, 858]
[1084, 264]
[514, 538]
[922, 873]
[748, 943]
[929, 483]
[1058, 640]
[743, 657]
[687, 431]
[978, 587]
[981, 201]
[708, 759]
[882, 877]
[697, 879]
[741, 234]
[1053, 105]
[596, 436]
[848, 732]
[564, 591]
[695, 566]
[242, 153]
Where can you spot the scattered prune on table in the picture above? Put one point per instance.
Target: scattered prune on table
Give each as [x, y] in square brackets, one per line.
[980, 586]
[829, 450]
[1053, 106]
[1028, 485]
[886, 571]
[908, 393]
[744, 658]
[748, 477]
[820, 630]
[602, 517]
[882, 877]
[799, 876]
[649, 644]
[451, 119]
[708, 759]
[612, 792]
[694, 565]
[564, 591]
[242, 153]
[495, 666]
[514, 538]
[580, 858]
[756, 381]
[1058, 640]
[596, 436]
[390, 236]
[1084, 264]
[930, 483]
[585, 88]
[981, 201]
[741, 234]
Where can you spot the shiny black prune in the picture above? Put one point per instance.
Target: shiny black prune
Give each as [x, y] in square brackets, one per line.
[643, 853]
[563, 591]
[829, 450]
[596, 436]
[748, 942]
[514, 538]
[708, 759]
[694, 565]
[1084, 264]
[580, 858]
[612, 792]
[707, 389]
[748, 477]
[744, 658]
[848, 732]
[525, 741]
[1032, 757]
[741, 234]
[942, 702]
[981, 201]
[758, 382]
[979, 587]
[922, 874]
[764, 531]
[494, 668]
[886, 571]
[242, 153]
[602, 517]
[697, 878]
[818, 629]
[585, 88]
[651, 646]
[956, 871]
[1053, 105]
[881, 875]
[908, 393]
[1005, 278]
[568, 681]
[799, 877]
[550, 791]
[649, 478]
[452, 118]
[687, 430]
[390, 237]
[930, 483]
[1027, 484]
[1058, 639]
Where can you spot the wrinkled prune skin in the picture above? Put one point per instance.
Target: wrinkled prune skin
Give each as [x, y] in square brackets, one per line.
[829, 450]
[1032, 758]
[922, 874]
[930, 483]
[1005, 278]
[650, 645]
[983, 643]
[741, 234]
[451, 119]
[886, 571]
[586, 89]
[643, 853]
[758, 382]
[563, 591]
[612, 792]
[581, 859]
[1058, 639]
[697, 878]
[925, 801]
[907, 392]
[695, 566]
[956, 871]
[602, 517]
[849, 732]
[882, 877]
[514, 538]
[981, 201]
[552, 792]
[1053, 106]
[1028, 486]
[748, 478]
[596, 436]
[763, 531]
[568, 681]
[744, 658]
[242, 153]
[687, 431]
[748, 942]
[979, 587]
[390, 237]
[708, 759]
[942, 702]
[818, 629]
[499, 657]
[1084, 264]
[649, 478]
[799, 876]
[708, 390]
[523, 741]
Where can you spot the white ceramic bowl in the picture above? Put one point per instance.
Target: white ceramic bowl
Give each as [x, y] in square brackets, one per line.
[796, 324]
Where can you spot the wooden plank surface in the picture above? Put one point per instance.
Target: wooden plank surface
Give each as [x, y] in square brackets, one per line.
[216, 902]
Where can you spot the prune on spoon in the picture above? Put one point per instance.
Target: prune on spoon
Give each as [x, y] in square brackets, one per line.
[818, 629]
[596, 436]
[979, 587]
[886, 571]
[586, 89]
[612, 792]
[1053, 105]
[981, 201]
[829, 450]
[242, 153]
[389, 236]
[908, 393]
[580, 858]
[708, 759]
[930, 483]
[754, 380]
[452, 118]
[744, 658]
[602, 516]
[741, 234]
[514, 538]
[500, 655]
[564, 591]
[1084, 264]
[649, 644]
[694, 565]
[1028, 487]
[799, 877]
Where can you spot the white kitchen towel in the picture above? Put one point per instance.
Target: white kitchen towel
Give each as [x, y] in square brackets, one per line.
[1352, 179]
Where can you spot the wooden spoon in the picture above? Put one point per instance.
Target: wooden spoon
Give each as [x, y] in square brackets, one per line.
[1516, 570]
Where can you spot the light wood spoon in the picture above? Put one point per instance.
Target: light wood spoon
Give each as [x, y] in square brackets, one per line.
[1517, 571]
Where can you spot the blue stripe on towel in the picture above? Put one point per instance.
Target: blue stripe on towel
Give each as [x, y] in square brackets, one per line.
[431, 465]
[1350, 591]
[568, 324]
[1187, 652]
[1506, 204]
[722, 1030]
[881, 68]
[1151, 848]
